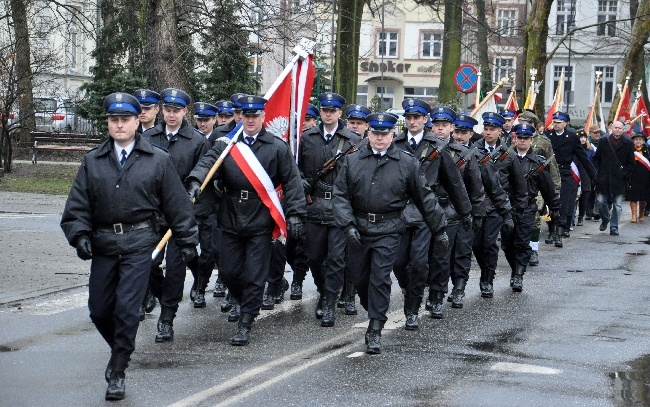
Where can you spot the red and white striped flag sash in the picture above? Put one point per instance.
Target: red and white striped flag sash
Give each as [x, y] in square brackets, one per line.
[575, 172]
[258, 177]
[642, 160]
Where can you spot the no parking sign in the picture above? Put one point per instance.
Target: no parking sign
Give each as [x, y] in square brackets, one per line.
[466, 78]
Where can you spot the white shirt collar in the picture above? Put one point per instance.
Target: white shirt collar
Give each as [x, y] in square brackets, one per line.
[128, 149]
[487, 146]
[417, 137]
[382, 153]
[172, 132]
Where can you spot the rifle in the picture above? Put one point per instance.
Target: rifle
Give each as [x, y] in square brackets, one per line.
[432, 155]
[490, 156]
[328, 166]
[506, 153]
[464, 158]
[540, 167]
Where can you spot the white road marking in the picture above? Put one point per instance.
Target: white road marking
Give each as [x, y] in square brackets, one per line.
[59, 305]
[356, 354]
[523, 368]
[395, 321]
[21, 215]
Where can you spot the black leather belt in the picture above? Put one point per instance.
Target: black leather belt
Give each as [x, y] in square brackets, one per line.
[377, 217]
[322, 194]
[243, 194]
[121, 228]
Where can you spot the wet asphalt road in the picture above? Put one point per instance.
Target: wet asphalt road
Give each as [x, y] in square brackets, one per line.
[577, 335]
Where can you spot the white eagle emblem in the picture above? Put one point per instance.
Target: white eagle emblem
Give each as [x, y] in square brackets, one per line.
[358, 107]
[250, 99]
[278, 126]
[380, 117]
[411, 102]
[143, 93]
[201, 106]
[118, 96]
[174, 92]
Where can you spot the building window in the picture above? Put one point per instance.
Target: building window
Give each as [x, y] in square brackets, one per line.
[565, 16]
[362, 95]
[388, 93]
[607, 18]
[607, 83]
[504, 67]
[255, 64]
[568, 82]
[431, 45]
[427, 94]
[507, 22]
[387, 44]
[74, 39]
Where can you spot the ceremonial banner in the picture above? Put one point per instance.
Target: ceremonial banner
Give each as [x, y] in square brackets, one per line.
[557, 102]
[642, 160]
[623, 112]
[304, 74]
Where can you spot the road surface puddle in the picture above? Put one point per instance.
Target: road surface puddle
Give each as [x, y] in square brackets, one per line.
[633, 385]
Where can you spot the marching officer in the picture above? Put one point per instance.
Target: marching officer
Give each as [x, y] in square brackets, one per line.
[225, 112]
[511, 178]
[121, 188]
[150, 102]
[185, 146]
[244, 216]
[356, 119]
[507, 132]
[311, 117]
[370, 194]
[326, 243]
[516, 245]
[201, 267]
[567, 148]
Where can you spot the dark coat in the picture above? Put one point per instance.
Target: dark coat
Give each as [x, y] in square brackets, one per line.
[251, 217]
[313, 151]
[442, 177]
[567, 148]
[614, 166]
[367, 184]
[639, 180]
[471, 176]
[221, 131]
[103, 193]
[539, 182]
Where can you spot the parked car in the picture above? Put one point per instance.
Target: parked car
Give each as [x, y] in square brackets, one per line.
[59, 115]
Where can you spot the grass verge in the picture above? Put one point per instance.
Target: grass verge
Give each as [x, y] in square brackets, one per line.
[53, 179]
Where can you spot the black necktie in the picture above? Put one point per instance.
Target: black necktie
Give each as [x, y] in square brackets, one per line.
[328, 138]
[377, 155]
[491, 149]
[123, 160]
[414, 144]
[170, 136]
[250, 140]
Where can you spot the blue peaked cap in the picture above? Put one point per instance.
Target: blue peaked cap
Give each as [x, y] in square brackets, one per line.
[443, 113]
[225, 108]
[357, 112]
[147, 97]
[561, 116]
[175, 97]
[416, 106]
[464, 121]
[121, 104]
[329, 100]
[202, 109]
[312, 111]
[493, 119]
[252, 104]
[524, 130]
[381, 122]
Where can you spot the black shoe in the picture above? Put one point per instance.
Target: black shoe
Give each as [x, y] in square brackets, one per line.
[149, 301]
[242, 335]
[451, 295]
[579, 223]
[235, 312]
[296, 290]
[269, 301]
[603, 225]
[412, 322]
[351, 306]
[558, 236]
[199, 300]
[116, 386]
[226, 304]
[457, 299]
[373, 337]
[565, 233]
[613, 232]
[596, 217]
[552, 237]
[142, 314]
[487, 291]
[436, 305]
[318, 312]
[279, 297]
[329, 310]
[165, 331]
[341, 302]
[534, 259]
[517, 283]
[219, 289]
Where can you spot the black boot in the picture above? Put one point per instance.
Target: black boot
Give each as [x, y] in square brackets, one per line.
[518, 279]
[428, 305]
[373, 337]
[436, 305]
[558, 236]
[551, 234]
[296, 290]
[534, 259]
[269, 297]
[459, 293]
[350, 295]
[109, 368]
[116, 383]
[234, 313]
[199, 299]
[149, 301]
[243, 330]
[226, 304]
[580, 221]
[219, 289]
[487, 291]
[166, 324]
[412, 318]
[318, 312]
[329, 310]
[279, 294]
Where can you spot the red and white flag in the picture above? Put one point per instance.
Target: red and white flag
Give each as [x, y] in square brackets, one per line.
[278, 110]
[556, 104]
[303, 77]
[575, 172]
[642, 160]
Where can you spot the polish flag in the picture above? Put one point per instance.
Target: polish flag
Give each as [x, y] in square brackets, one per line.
[557, 102]
[642, 160]
[278, 110]
[624, 112]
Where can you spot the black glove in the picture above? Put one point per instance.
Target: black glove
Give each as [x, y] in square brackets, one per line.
[353, 237]
[306, 185]
[84, 248]
[294, 224]
[467, 222]
[188, 253]
[441, 241]
[477, 223]
[193, 189]
[508, 225]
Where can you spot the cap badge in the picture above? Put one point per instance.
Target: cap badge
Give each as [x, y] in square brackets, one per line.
[118, 96]
[411, 102]
[202, 106]
[357, 107]
[143, 93]
[380, 117]
[329, 96]
[250, 99]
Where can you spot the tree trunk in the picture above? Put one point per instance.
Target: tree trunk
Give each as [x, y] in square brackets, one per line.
[163, 60]
[450, 50]
[640, 34]
[23, 74]
[535, 35]
[347, 48]
[482, 46]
